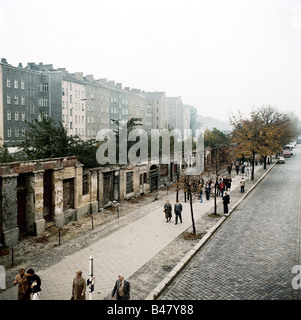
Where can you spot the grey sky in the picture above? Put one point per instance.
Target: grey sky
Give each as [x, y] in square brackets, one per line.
[220, 55]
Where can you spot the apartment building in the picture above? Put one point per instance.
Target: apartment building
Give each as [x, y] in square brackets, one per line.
[158, 106]
[27, 93]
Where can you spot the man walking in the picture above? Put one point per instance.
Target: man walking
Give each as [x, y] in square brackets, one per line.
[121, 288]
[242, 185]
[226, 201]
[34, 283]
[178, 211]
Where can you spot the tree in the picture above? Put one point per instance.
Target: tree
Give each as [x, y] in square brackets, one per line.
[264, 132]
[189, 184]
[49, 139]
[221, 154]
[5, 156]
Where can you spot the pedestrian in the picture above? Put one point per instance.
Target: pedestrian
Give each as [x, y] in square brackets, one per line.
[79, 287]
[167, 210]
[242, 185]
[178, 211]
[207, 191]
[34, 283]
[229, 168]
[121, 288]
[229, 181]
[201, 193]
[226, 201]
[23, 288]
[237, 167]
[222, 188]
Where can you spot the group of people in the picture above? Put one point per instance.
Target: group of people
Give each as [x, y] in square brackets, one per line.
[223, 185]
[177, 210]
[29, 286]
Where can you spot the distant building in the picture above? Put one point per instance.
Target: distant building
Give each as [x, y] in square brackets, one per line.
[175, 113]
[119, 103]
[73, 104]
[158, 105]
[27, 93]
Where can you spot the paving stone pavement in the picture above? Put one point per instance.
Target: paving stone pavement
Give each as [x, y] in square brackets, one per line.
[131, 249]
[251, 257]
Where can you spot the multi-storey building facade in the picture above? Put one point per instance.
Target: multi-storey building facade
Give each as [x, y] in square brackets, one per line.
[158, 106]
[138, 108]
[73, 104]
[119, 103]
[98, 104]
[175, 113]
[27, 94]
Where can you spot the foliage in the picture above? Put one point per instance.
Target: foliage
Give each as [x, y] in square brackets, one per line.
[49, 139]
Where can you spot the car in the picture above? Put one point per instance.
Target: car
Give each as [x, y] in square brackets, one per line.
[280, 160]
[286, 153]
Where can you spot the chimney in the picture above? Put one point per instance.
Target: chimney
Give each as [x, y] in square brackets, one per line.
[40, 66]
[20, 65]
[79, 75]
[3, 60]
[30, 65]
[111, 83]
[103, 80]
[48, 66]
[89, 77]
[127, 89]
[119, 85]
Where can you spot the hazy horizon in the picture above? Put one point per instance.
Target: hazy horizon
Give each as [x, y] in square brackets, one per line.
[219, 56]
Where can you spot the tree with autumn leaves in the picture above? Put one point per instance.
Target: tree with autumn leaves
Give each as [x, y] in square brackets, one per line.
[264, 132]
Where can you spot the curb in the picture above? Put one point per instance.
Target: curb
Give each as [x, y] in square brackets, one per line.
[154, 294]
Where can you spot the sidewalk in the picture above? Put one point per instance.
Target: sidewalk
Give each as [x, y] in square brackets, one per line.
[129, 250]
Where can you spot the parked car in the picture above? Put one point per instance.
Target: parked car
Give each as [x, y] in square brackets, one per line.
[286, 153]
[280, 160]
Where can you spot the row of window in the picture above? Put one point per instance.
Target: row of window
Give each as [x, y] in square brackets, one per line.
[43, 86]
[16, 100]
[16, 84]
[9, 114]
[17, 132]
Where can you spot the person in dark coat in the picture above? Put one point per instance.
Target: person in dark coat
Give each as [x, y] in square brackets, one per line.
[178, 211]
[167, 210]
[121, 288]
[226, 201]
[207, 191]
[34, 283]
[79, 287]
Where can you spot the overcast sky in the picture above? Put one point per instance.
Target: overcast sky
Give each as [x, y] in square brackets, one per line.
[219, 56]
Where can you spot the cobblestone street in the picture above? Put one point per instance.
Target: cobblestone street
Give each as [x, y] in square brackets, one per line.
[251, 257]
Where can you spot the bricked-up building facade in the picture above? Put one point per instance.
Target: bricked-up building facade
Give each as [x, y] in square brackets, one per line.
[59, 190]
[25, 92]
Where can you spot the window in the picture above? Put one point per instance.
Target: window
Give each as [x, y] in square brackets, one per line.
[16, 116]
[70, 98]
[32, 109]
[45, 115]
[16, 100]
[23, 116]
[63, 91]
[23, 101]
[8, 83]
[70, 125]
[44, 87]
[8, 99]
[129, 182]
[8, 115]
[23, 132]
[83, 108]
[85, 184]
[9, 132]
[22, 85]
[17, 132]
[70, 112]
[16, 84]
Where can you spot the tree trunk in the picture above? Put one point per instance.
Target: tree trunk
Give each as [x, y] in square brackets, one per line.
[215, 193]
[191, 211]
[253, 165]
